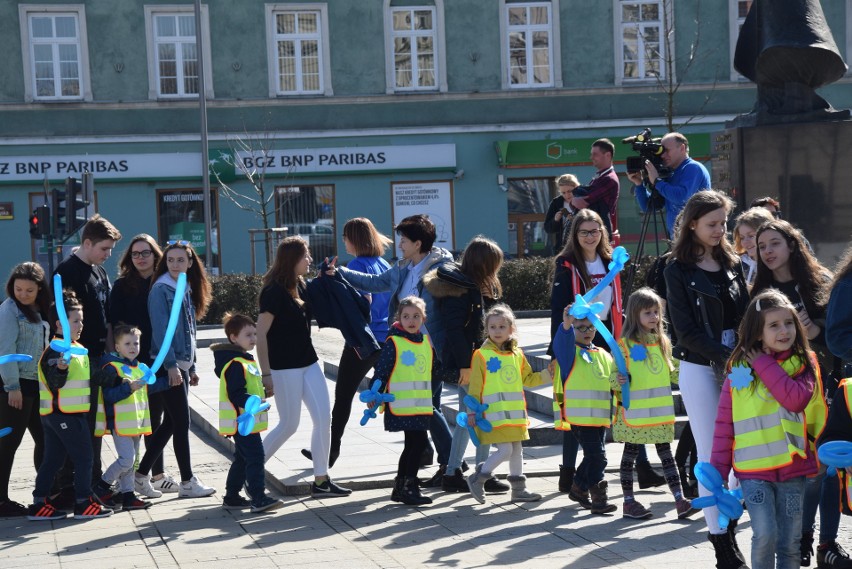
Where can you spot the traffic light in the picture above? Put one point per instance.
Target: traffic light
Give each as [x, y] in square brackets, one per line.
[40, 222]
[69, 208]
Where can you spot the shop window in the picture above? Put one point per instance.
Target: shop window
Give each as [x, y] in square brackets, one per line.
[180, 216]
[529, 199]
[308, 211]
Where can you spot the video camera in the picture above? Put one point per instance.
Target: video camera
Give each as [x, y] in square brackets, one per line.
[649, 149]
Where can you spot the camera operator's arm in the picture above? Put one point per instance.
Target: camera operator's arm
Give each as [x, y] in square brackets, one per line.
[688, 178]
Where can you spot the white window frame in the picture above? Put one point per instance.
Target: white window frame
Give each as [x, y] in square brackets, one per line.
[79, 12]
[554, 29]
[439, 46]
[848, 53]
[667, 13]
[734, 24]
[323, 44]
[153, 66]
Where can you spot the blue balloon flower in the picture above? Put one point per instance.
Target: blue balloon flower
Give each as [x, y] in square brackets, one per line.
[247, 419]
[374, 395]
[638, 353]
[408, 358]
[125, 369]
[586, 356]
[740, 376]
[494, 364]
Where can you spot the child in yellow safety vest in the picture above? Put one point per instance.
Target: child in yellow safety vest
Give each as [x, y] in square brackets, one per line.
[64, 398]
[499, 371]
[123, 411]
[582, 403]
[770, 413]
[239, 379]
[651, 417]
[404, 369]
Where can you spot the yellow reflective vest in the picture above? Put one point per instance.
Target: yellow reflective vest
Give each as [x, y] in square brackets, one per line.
[74, 396]
[651, 401]
[846, 480]
[228, 413]
[584, 398]
[766, 435]
[411, 378]
[131, 415]
[503, 389]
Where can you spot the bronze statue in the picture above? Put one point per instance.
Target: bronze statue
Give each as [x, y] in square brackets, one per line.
[786, 47]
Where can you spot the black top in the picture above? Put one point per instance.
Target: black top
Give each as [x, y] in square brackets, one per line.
[721, 283]
[288, 340]
[130, 306]
[91, 285]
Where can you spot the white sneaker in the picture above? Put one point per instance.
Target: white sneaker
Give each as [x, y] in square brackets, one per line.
[194, 489]
[166, 484]
[142, 485]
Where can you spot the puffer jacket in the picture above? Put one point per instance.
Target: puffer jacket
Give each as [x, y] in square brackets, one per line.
[690, 296]
[458, 310]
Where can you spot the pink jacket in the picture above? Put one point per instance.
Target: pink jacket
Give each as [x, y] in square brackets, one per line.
[793, 394]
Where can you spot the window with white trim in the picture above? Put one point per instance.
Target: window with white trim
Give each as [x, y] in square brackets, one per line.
[415, 40]
[738, 11]
[173, 71]
[529, 56]
[55, 52]
[299, 45]
[642, 39]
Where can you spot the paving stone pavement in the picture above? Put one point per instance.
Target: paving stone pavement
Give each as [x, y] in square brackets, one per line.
[365, 530]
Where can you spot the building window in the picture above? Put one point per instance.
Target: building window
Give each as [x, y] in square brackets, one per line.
[414, 42]
[642, 39]
[529, 44]
[737, 14]
[308, 211]
[298, 38]
[173, 53]
[55, 51]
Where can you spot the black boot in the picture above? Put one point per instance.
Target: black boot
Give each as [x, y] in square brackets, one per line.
[454, 482]
[806, 546]
[566, 478]
[494, 486]
[648, 477]
[437, 478]
[411, 493]
[396, 494]
[726, 555]
[732, 531]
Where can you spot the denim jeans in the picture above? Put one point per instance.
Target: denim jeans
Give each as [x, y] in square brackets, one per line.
[442, 438]
[460, 439]
[65, 435]
[822, 491]
[247, 467]
[775, 510]
[591, 469]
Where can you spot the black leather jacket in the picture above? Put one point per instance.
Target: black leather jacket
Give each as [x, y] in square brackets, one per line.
[696, 312]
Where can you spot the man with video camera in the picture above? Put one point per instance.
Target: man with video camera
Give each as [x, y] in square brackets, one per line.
[601, 195]
[687, 178]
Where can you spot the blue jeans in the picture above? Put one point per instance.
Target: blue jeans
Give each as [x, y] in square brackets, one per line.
[438, 427]
[822, 491]
[65, 435]
[247, 467]
[775, 510]
[461, 437]
[591, 469]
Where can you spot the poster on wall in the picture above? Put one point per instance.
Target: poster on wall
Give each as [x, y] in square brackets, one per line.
[180, 217]
[434, 199]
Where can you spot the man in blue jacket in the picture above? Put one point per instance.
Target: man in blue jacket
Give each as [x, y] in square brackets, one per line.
[687, 178]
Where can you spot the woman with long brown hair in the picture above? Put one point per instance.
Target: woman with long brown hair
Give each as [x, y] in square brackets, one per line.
[178, 369]
[288, 362]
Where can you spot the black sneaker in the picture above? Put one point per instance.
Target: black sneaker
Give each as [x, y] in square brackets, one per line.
[44, 511]
[132, 502]
[832, 555]
[12, 509]
[436, 480]
[91, 509]
[236, 503]
[454, 482]
[492, 485]
[266, 504]
[329, 489]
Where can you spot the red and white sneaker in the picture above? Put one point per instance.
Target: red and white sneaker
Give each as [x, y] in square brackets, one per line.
[91, 509]
[44, 511]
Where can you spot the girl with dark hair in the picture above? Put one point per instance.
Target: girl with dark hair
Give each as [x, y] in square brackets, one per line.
[706, 296]
[179, 363]
[289, 364]
[23, 330]
[129, 305]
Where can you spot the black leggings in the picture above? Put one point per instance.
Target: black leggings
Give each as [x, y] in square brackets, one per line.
[175, 426]
[350, 372]
[156, 408]
[27, 418]
[409, 460]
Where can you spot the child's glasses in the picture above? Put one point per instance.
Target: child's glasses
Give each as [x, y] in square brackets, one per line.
[590, 233]
[584, 329]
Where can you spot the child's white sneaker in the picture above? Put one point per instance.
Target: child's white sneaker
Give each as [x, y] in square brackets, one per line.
[194, 488]
[166, 484]
[142, 485]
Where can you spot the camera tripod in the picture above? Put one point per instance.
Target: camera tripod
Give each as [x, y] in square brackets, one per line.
[651, 211]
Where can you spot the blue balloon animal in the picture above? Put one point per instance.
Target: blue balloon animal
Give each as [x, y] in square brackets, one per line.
[729, 502]
[5, 431]
[64, 346]
[462, 419]
[149, 373]
[15, 358]
[582, 309]
[373, 395]
[835, 454]
[247, 419]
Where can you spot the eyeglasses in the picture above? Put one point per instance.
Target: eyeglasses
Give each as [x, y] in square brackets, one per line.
[182, 243]
[584, 329]
[141, 254]
[589, 233]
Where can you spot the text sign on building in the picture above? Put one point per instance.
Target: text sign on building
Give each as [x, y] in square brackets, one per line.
[434, 199]
[103, 166]
[351, 159]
